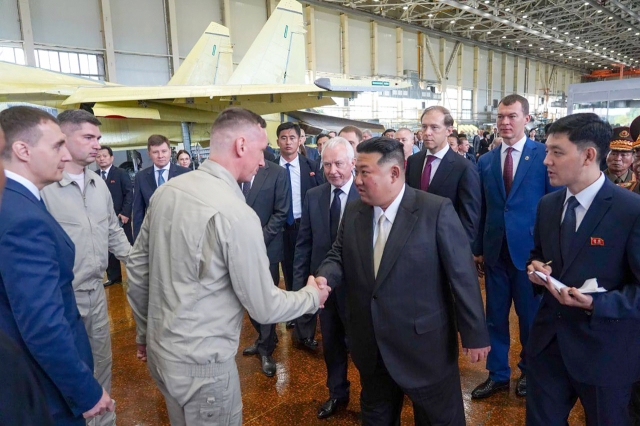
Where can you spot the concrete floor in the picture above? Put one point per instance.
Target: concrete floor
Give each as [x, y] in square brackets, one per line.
[291, 397]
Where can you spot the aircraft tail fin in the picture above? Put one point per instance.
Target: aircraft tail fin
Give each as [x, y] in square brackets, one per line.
[209, 62]
[277, 56]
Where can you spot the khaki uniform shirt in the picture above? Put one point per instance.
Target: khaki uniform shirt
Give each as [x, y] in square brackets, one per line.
[91, 223]
[198, 262]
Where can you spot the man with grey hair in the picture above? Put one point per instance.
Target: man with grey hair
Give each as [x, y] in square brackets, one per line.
[190, 283]
[315, 237]
[82, 205]
[366, 134]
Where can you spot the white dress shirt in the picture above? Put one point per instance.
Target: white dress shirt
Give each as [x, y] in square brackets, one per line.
[296, 196]
[165, 174]
[390, 213]
[436, 162]
[585, 198]
[515, 154]
[343, 195]
[106, 172]
[24, 182]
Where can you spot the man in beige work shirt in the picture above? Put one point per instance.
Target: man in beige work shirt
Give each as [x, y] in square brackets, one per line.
[82, 204]
[198, 262]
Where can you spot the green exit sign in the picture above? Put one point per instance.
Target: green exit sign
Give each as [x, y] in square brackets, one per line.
[379, 83]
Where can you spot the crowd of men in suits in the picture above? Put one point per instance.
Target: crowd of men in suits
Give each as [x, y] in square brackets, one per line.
[381, 238]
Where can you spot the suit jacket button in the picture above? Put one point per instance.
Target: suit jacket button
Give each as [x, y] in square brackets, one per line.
[506, 209]
[558, 315]
[375, 297]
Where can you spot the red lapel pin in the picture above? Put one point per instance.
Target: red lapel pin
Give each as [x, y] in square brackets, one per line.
[312, 173]
[597, 241]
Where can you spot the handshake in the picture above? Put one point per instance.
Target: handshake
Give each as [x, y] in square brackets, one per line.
[320, 284]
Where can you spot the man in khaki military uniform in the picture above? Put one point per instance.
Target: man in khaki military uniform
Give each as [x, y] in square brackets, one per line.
[198, 263]
[82, 205]
[620, 159]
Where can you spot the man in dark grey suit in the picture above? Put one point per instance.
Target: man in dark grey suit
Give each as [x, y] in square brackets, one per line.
[321, 214]
[269, 195]
[402, 319]
[441, 171]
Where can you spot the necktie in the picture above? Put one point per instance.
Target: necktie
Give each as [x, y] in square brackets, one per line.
[378, 248]
[618, 180]
[507, 171]
[246, 187]
[334, 213]
[426, 173]
[568, 227]
[160, 177]
[290, 214]
[104, 175]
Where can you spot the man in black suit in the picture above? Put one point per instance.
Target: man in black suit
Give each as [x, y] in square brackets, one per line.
[584, 345]
[441, 171]
[321, 214]
[149, 179]
[402, 319]
[303, 175]
[465, 149]
[269, 195]
[121, 189]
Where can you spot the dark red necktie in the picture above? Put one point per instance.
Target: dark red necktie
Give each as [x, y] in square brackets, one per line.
[507, 171]
[426, 173]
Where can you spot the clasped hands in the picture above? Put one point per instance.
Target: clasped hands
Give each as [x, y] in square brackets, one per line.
[568, 296]
[320, 284]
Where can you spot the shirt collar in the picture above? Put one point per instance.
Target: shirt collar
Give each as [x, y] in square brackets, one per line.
[88, 177]
[106, 171]
[518, 146]
[587, 195]
[24, 182]
[346, 187]
[295, 162]
[155, 169]
[440, 154]
[391, 211]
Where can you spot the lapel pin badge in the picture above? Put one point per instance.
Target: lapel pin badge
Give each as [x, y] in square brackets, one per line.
[597, 241]
[312, 173]
[526, 158]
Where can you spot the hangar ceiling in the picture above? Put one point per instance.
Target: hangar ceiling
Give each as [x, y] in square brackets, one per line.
[582, 34]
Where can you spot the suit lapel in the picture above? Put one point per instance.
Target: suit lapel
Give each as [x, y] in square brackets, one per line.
[444, 169]
[305, 172]
[597, 210]
[364, 232]
[151, 178]
[258, 181]
[172, 171]
[353, 193]
[554, 222]
[416, 172]
[529, 153]
[400, 231]
[496, 168]
[324, 202]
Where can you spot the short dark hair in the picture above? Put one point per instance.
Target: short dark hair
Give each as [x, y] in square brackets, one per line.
[20, 123]
[182, 151]
[352, 129]
[390, 149]
[77, 117]
[388, 131]
[157, 140]
[584, 130]
[462, 136]
[322, 135]
[448, 118]
[108, 148]
[485, 134]
[288, 125]
[512, 99]
[234, 117]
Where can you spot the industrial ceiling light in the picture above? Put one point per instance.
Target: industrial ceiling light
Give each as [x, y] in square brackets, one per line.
[471, 27]
[488, 32]
[504, 36]
[610, 17]
[405, 7]
[539, 22]
[524, 17]
[553, 28]
[542, 48]
[531, 45]
[507, 9]
[552, 51]
[429, 15]
[599, 11]
[566, 33]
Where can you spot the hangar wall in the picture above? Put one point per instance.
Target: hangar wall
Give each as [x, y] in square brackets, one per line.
[142, 42]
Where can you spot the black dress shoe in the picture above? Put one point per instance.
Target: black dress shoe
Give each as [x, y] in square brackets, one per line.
[330, 407]
[309, 344]
[488, 388]
[250, 350]
[290, 324]
[268, 366]
[521, 386]
[112, 282]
